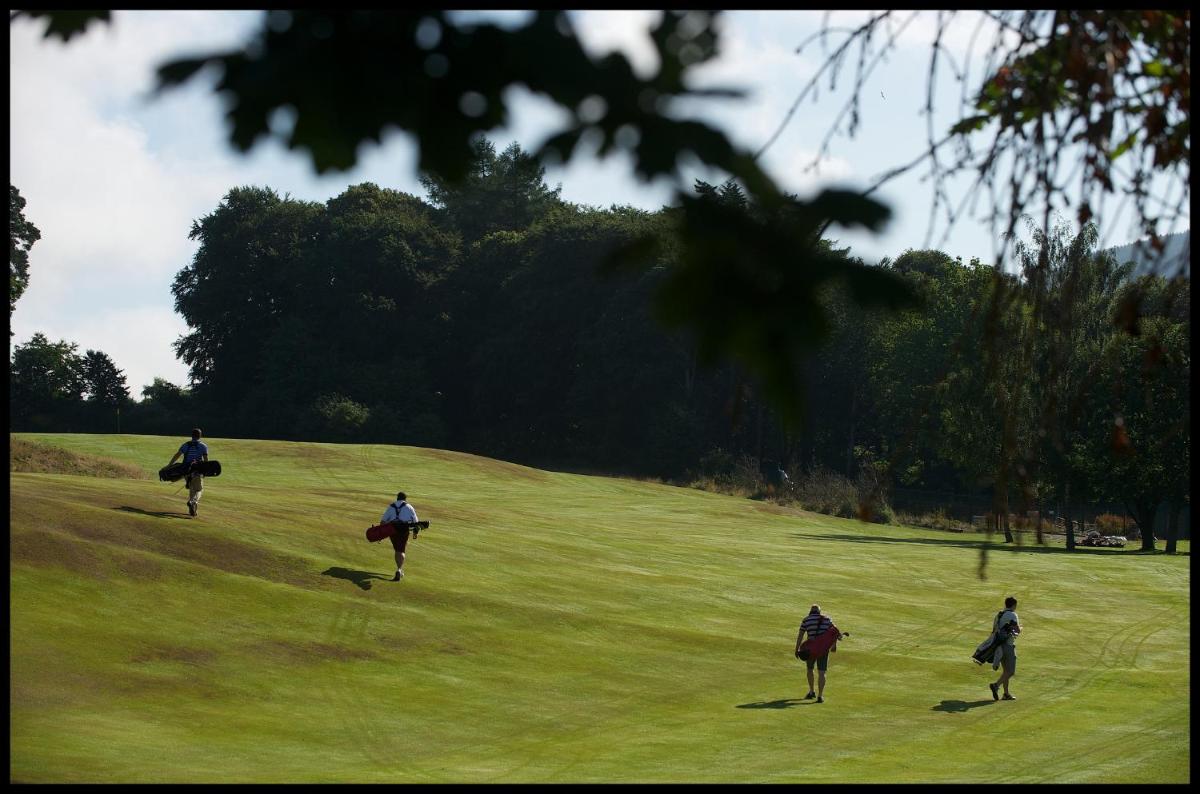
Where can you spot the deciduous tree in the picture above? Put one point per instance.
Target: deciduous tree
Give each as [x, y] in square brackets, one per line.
[21, 236]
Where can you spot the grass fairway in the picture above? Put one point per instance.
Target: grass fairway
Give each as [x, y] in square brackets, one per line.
[553, 628]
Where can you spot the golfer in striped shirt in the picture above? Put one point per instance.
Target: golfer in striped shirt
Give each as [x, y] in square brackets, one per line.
[814, 625]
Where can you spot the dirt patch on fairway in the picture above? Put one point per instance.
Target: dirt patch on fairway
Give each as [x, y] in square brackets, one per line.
[351, 495]
[139, 567]
[327, 460]
[55, 685]
[56, 542]
[488, 465]
[54, 549]
[47, 549]
[230, 556]
[34, 458]
[312, 452]
[196, 656]
[313, 651]
[418, 644]
[776, 510]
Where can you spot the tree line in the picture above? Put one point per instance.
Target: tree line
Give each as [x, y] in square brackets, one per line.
[494, 317]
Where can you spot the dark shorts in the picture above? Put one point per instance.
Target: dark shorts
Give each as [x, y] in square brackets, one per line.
[399, 539]
[822, 663]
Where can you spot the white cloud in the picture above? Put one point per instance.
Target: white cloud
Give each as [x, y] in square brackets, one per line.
[97, 195]
[113, 210]
[138, 340]
[800, 171]
[603, 183]
[601, 32]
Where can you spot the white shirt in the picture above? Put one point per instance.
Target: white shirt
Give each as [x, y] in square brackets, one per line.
[405, 513]
[1003, 619]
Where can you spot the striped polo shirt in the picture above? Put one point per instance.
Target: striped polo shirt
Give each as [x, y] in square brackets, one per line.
[816, 625]
[193, 450]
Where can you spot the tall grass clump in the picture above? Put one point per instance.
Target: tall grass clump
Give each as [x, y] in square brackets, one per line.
[820, 490]
[936, 519]
[722, 472]
[35, 458]
[825, 491]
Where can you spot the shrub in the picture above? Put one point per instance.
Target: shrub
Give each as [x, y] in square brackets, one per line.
[747, 476]
[826, 491]
[872, 494]
[821, 490]
[936, 519]
[338, 418]
[715, 463]
[878, 512]
[721, 472]
[1110, 523]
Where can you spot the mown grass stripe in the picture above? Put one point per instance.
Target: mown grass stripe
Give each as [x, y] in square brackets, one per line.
[552, 628]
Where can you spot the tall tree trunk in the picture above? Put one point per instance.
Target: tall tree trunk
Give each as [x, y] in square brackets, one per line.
[1068, 518]
[1143, 514]
[1002, 502]
[1176, 506]
[806, 416]
[689, 374]
[758, 432]
[850, 439]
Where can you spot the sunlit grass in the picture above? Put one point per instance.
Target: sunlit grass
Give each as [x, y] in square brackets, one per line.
[553, 628]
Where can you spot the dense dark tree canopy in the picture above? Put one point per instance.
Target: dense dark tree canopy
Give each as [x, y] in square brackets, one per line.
[499, 192]
[103, 383]
[1138, 413]
[21, 236]
[44, 377]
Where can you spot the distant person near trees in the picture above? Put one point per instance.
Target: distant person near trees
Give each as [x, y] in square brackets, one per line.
[817, 639]
[400, 513]
[1006, 626]
[192, 452]
[785, 482]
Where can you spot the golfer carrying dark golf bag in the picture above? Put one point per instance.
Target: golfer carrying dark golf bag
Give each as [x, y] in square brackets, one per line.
[193, 451]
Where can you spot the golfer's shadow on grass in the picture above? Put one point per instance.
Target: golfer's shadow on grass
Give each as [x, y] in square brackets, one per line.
[360, 578]
[775, 704]
[958, 706]
[155, 513]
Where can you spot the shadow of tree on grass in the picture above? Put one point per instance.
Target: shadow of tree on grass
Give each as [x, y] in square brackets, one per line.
[989, 545]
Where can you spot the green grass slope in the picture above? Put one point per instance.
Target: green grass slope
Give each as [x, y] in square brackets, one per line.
[552, 628]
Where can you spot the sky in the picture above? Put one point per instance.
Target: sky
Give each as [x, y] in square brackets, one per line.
[114, 178]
